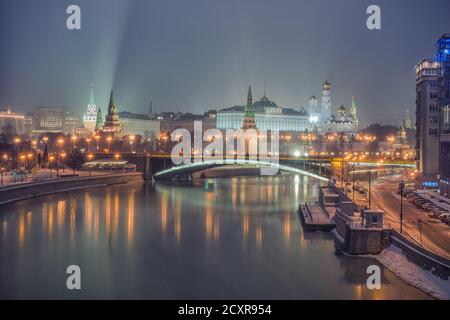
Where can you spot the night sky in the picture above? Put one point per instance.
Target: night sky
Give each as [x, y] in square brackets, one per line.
[191, 55]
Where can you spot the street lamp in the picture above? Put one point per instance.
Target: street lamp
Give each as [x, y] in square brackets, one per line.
[88, 140]
[370, 183]
[60, 143]
[109, 139]
[63, 156]
[73, 138]
[22, 158]
[132, 137]
[50, 159]
[97, 138]
[90, 157]
[4, 158]
[30, 156]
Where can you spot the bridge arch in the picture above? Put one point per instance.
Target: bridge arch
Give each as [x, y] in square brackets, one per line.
[187, 169]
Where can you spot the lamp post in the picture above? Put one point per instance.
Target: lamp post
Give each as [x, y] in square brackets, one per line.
[420, 226]
[50, 159]
[88, 140]
[22, 158]
[4, 158]
[30, 156]
[109, 143]
[73, 138]
[353, 182]
[90, 157]
[370, 184]
[132, 137]
[97, 138]
[63, 156]
[17, 143]
[402, 186]
[60, 143]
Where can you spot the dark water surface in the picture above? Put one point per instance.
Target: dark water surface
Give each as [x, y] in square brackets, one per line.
[215, 239]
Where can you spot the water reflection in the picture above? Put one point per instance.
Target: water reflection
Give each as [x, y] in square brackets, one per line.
[174, 241]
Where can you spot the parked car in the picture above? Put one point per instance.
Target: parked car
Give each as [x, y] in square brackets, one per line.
[439, 211]
[444, 216]
[428, 207]
[436, 212]
[447, 221]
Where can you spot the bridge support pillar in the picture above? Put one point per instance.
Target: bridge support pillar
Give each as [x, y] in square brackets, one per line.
[148, 176]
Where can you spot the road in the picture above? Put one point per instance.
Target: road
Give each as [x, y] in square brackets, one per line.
[435, 234]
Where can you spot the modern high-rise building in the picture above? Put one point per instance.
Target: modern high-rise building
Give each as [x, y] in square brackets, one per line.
[90, 117]
[427, 120]
[443, 58]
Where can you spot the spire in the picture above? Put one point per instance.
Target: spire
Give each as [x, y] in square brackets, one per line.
[99, 122]
[150, 107]
[353, 110]
[112, 103]
[264, 88]
[249, 116]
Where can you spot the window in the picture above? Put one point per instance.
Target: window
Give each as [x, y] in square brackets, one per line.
[433, 132]
[434, 107]
[434, 84]
[434, 95]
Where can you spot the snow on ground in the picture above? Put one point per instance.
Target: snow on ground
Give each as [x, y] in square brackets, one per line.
[393, 259]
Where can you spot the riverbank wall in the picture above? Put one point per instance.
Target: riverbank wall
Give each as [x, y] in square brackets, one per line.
[14, 193]
[428, 260]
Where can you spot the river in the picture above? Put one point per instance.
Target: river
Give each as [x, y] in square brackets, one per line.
[236, 238]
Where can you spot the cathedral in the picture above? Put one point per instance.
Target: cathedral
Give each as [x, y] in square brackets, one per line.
[324, 121]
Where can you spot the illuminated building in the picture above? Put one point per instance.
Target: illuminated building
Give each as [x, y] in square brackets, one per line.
[112, 123]
[139, 124]
[99, 121]
[54, 119]
[90, 117]
[12, 122]
[326, 101]
[267, 115]
[249, 115]
[342, 123]
[443, 58]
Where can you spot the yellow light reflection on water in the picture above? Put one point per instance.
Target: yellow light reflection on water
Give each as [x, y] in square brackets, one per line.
[164, 206]
[130, 212]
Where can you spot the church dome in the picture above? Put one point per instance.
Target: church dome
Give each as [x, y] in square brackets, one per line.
[342, 109]
[264, 103]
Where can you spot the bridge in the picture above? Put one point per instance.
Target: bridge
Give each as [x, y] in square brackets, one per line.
[184, 171]
[160, 166]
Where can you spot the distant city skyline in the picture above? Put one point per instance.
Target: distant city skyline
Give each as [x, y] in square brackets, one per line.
[196, 55]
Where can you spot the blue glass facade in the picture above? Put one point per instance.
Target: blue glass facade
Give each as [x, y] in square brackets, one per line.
[443, 48]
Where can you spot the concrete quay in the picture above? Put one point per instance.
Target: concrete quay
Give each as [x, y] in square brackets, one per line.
[23, 191]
